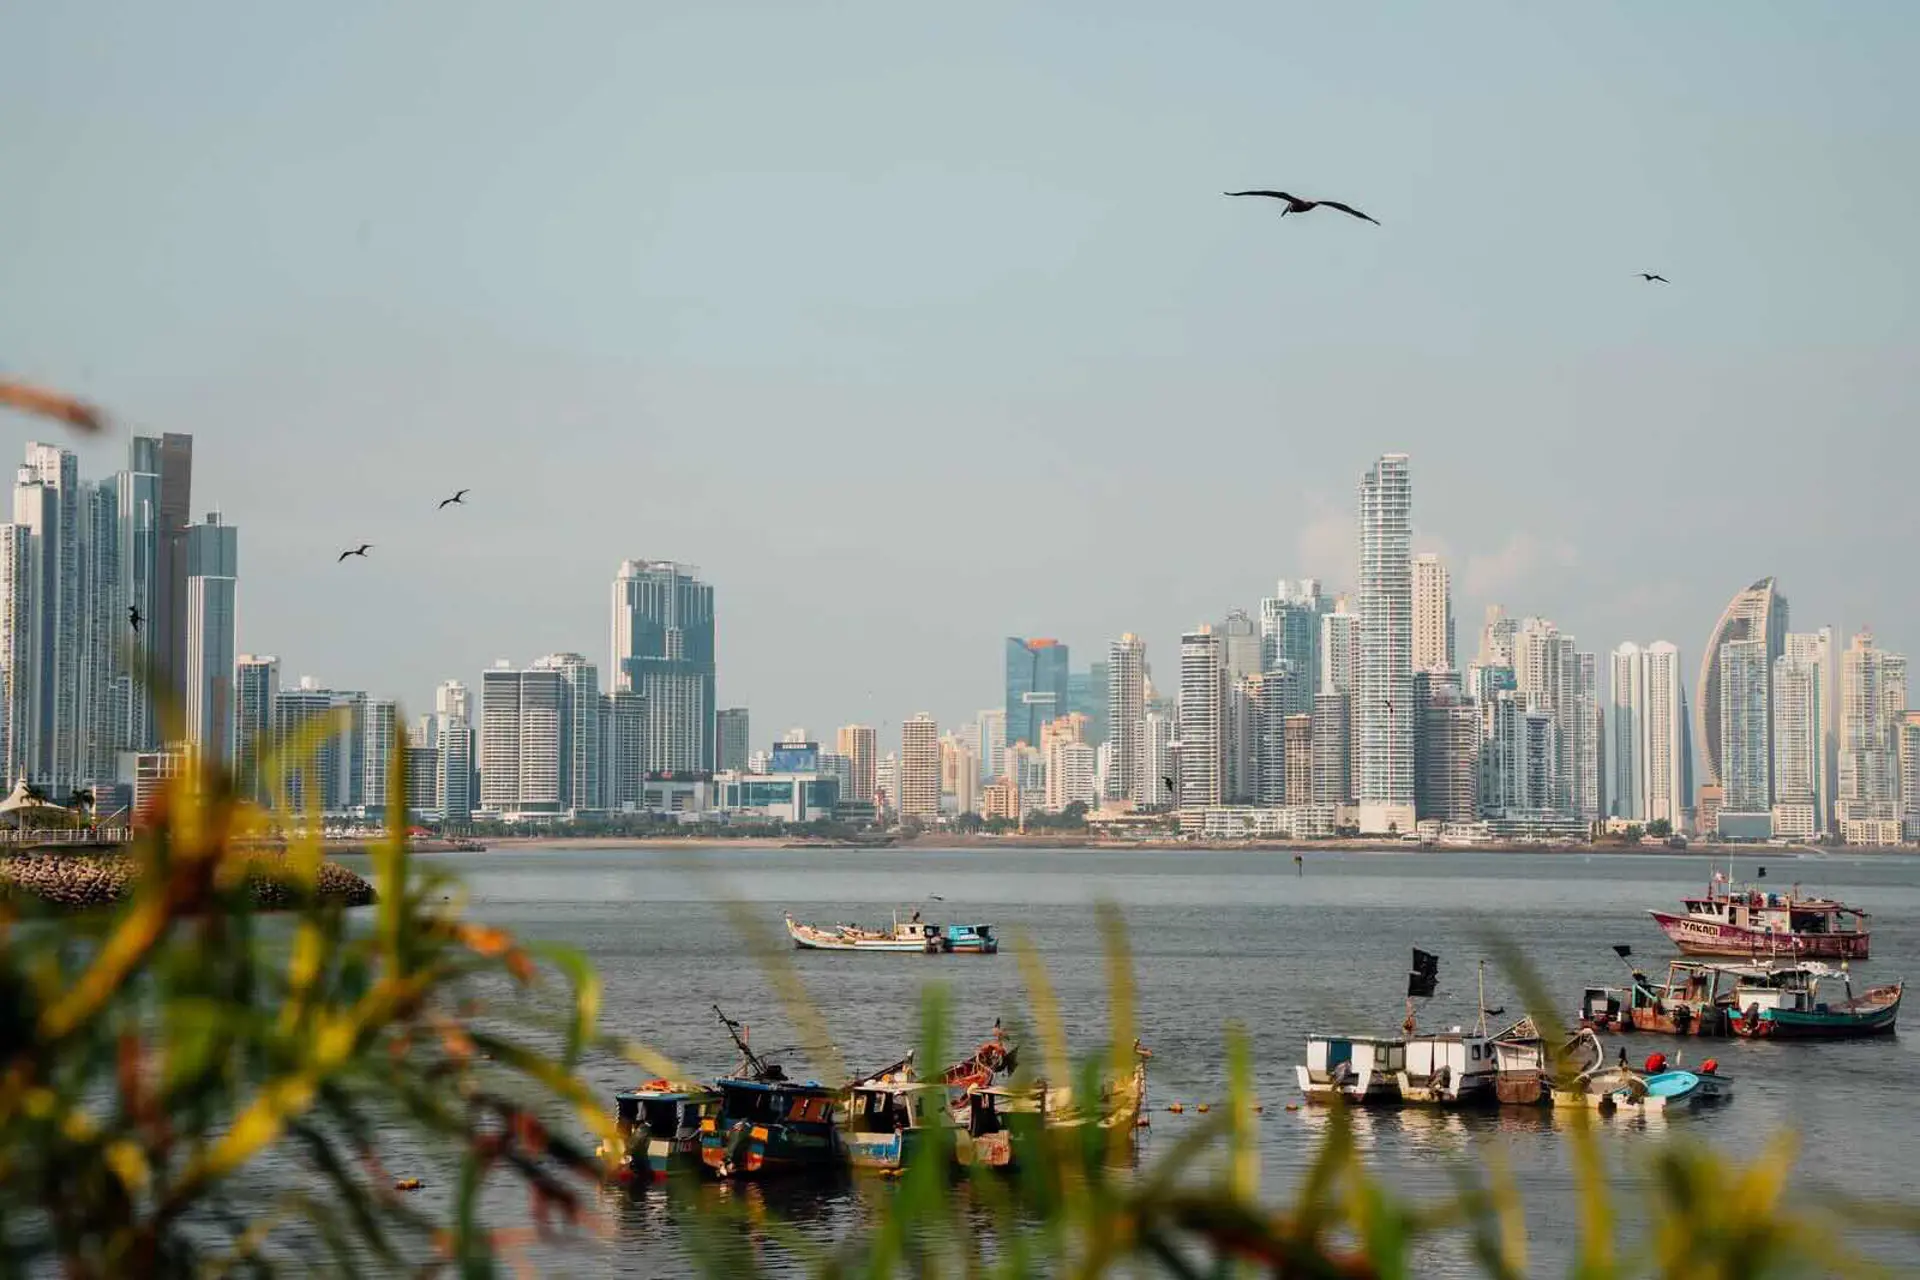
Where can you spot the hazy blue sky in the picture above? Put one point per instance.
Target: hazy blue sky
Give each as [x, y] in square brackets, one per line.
[917, 326]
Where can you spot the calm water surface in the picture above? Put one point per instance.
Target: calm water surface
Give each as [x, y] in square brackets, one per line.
[1215, 936]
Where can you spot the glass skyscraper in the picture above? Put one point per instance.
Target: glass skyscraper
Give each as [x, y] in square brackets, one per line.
[1038, 687]
[663, 650]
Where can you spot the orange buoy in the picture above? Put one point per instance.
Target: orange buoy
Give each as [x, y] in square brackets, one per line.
[1176, 1107]
[407, 1184]
[1204, 1107]
[1293, 1106]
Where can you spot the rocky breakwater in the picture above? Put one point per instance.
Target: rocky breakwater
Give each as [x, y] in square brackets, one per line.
[76, 879]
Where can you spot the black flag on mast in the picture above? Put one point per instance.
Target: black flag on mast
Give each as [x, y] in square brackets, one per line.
[1622, 951]
[1424, 978]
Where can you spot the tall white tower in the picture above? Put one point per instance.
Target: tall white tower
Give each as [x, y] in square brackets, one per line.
[1383, 712]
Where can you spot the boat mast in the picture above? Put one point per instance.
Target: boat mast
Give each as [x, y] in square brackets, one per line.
[1482, 1028]
[755, 1063]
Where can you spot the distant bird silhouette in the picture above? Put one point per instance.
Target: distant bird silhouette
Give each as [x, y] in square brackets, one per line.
[1649, 277]
[133, 616]
[46, 403]
[1169, 782]
[1296, 205]
[936, 897]
[360, 550]
[459, 497]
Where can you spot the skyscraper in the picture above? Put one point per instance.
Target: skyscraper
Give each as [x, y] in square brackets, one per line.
[453, 699]
[1290, 631]
[1815, 649]
[1384, 711]
[1158, 743]
[1297, 768]
[1627, 733]
[1447, 763]
[623, 755]
[453, 793]
[1127, 720]
[920, 768]
[1339, 652]
[1669, 772]
[1202, 746]
[310, 773]
[1239, 645]
[1270, 698]
[213, 567]
[137, 655]
[1798, 746]
[523, 750]
[1332, 750]
[174, 455]
[1872, 710]
[380, 731]
[663, 649]
[1070, 775]
[1746, 755]
[256, 689]
[1037, 687]
[736, 738]
[1432, 615]
[1759, 612]
[1087, 695]
[581, 736]
[858, 743]
[992, 724]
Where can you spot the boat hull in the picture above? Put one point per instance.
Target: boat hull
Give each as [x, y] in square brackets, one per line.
[1877, 1019]
[760, 1150]
[1696, 937]
[1371, 1090]
[1680, 1020]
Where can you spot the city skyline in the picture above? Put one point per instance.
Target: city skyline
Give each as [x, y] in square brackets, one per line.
[1585, 441]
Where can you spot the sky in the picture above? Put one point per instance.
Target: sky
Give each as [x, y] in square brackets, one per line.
[915, 327]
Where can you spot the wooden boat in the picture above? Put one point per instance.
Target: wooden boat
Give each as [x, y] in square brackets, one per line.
[969, 939]
[1753, 922]
[890, 1119]
[1593, 1083]
[1002, 1120]
[1695, 1000]
[905, 935]
[1789, 1002]
[1363, 1070]
[1453, 1069]
[659, 1125]
[1524, 1070]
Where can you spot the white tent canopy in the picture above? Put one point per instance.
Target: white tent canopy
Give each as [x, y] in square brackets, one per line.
[21, 800]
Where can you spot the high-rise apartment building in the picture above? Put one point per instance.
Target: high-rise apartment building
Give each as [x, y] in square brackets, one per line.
[1909, 751]
[1745, 722]
[1037, 687]
[1339, 652]
[1297, 768]
[1270, 699]
[1161, 784]
[623, 759]
[523, 740]
[858, 743]
[137, 656]
[1798, 747]
[1070, 768]
[310, 775]
[1087, 695]
[453, 793]
[1383, 711]
[454, 699]
[663, 649]
[992, 727]
[1758, 613]
[1815, 649]
[1290, 636]
[1432, 615]
[1332, 750]
[256, 690]
[736, 738]
[213, 569]
[380, 734]
[1202, 746]
[582, 736]
[1645, 734]
[920, 768]
[1873, 697]
[1447, 764]
[1127, 720]
[1240, 645]
[1496, 638]
[169, 618]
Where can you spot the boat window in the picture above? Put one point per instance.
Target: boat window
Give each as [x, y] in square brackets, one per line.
[663, 1116]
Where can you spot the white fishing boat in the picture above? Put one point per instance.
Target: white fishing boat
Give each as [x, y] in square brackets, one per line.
[1359, 1069]
[1453, 1069]
[912, 934]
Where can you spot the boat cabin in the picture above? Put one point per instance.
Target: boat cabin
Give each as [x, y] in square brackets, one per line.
[889, 1108]
[1359, 1068]
[970, 937]
[663, 1113]
[1454, 1052]
[1788, 986]
[1777, 913]
[771, 1102]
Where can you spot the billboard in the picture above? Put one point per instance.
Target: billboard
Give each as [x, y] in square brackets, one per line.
[794, 757]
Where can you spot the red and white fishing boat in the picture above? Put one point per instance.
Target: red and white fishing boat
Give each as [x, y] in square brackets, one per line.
[1752, 922]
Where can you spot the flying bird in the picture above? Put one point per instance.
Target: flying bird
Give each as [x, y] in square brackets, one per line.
[360, 550]
[46, 403]
[1296, 205]
[459, 497]
[1650, 277]
[133, 616]
[1169, 782]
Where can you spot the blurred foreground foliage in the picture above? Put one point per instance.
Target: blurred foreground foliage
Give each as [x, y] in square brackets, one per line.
[152, 1054]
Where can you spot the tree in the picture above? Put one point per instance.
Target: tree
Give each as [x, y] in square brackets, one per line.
[1659, 828]
[1634, 832]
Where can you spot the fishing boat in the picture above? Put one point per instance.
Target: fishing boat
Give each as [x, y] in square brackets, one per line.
[1695, 1000]
[888, 1120]
[1593, 1083]
[1452, 1069]
[659, 1125]
[1000, 1120]
[1791, 1002]
[1749, 921]
[1364, 1070]
[969, 939]
[1524, 1069]
[912, 934]
[767, 1122]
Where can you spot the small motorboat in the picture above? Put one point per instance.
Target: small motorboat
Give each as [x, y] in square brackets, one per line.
[1357, 1069]
[1674, 1090]
[659, 1125]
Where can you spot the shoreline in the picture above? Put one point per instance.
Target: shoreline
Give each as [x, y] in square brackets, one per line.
[1054, 843]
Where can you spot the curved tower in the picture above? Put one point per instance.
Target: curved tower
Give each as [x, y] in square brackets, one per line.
[1758, 613]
